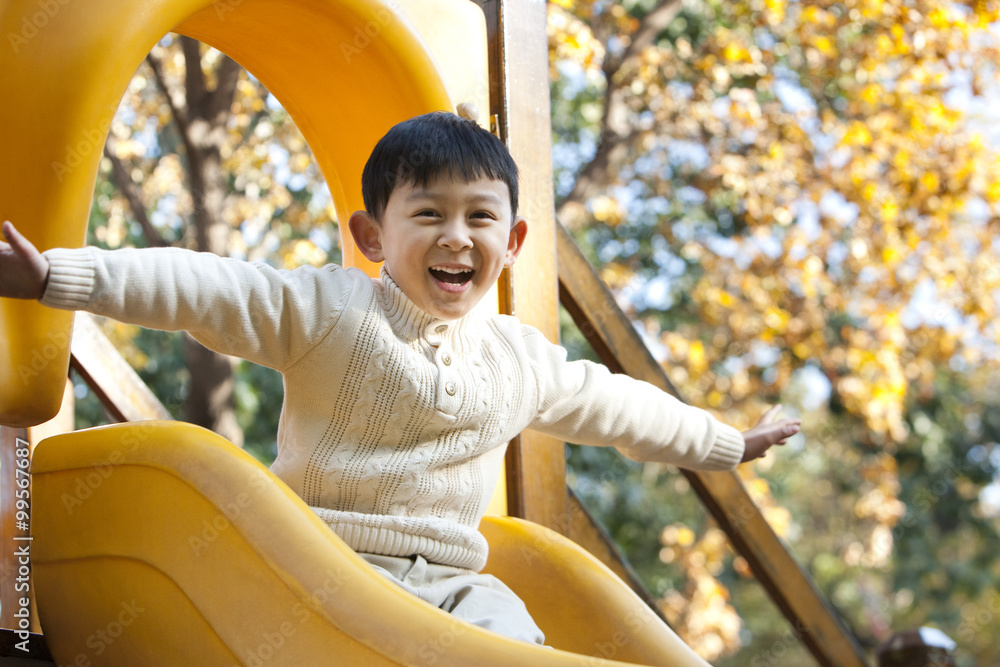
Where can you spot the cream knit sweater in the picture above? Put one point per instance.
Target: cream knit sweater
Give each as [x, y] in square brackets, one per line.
[394, 424]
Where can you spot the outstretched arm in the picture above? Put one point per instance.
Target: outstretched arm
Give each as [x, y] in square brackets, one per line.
[768, 432]
[23, 270]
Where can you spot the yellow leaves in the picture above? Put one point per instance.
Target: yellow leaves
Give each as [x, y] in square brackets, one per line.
[876, 386]
[825, 45]
[775, 11]
[615, 275]
[607, 210]
[678, 534]
[993, 192]
[885, 48]
[868, 190]
[938, 18]
[889, 215]
[777, 319]
[697, 363]
[571, 39]
[701, 612]
[930, 115]
[857, 134]
[816, 15]
[303, 252]
[872, 94]
[735, 53]
[930, 181]
[725, 299]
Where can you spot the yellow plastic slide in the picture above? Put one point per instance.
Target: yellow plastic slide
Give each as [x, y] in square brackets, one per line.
[160, 543]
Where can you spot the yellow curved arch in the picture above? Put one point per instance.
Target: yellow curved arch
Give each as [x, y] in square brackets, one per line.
[346, 70]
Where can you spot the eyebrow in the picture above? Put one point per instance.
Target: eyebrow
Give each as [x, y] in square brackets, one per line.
[484, 197]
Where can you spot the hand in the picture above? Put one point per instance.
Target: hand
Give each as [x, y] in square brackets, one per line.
[768, 432]
[23, 270]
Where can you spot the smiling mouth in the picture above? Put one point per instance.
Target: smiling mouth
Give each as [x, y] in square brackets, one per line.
[452, 276]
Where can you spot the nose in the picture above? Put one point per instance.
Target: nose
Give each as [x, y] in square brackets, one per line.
[455, 235]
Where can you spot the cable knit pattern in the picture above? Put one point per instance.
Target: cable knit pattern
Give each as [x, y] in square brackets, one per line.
[394, 424]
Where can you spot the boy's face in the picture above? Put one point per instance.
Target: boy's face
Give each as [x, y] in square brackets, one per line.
[445, 243]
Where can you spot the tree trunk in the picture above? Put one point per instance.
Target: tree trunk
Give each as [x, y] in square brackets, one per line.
[201, 115]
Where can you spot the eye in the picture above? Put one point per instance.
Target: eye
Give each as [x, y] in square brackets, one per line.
[484, 217]
[426, 213]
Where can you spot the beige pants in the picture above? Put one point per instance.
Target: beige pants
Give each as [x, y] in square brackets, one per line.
[480, 599]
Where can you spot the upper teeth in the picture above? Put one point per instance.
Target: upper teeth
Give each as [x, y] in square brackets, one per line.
[449, 269]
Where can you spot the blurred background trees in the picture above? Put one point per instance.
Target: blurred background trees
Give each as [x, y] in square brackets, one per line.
[797, 202]
[201, 156]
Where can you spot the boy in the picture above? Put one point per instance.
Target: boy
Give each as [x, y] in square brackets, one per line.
[399, 396]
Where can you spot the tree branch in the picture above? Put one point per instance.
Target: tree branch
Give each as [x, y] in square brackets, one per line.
[220, 100]
[175, 105]
[129, 189]
[194, 78]
[614, 128]
[651, 25]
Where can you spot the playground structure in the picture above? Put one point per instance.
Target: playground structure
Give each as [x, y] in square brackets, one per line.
[247, 596]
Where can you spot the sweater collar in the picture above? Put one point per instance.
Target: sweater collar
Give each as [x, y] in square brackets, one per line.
[409, 322]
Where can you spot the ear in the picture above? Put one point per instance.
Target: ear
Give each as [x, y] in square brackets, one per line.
[516, 241]
[367, 235]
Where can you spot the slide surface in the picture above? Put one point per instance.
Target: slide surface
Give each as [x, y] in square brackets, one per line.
[162, 543]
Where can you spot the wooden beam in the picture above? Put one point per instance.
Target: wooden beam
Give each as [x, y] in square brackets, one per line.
[102, 367]
[519, 101]
[620, 347]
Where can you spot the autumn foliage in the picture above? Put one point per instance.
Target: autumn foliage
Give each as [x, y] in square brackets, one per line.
[799, 200]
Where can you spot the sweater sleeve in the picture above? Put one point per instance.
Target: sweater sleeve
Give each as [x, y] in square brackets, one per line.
[249, 310]
[585, 403]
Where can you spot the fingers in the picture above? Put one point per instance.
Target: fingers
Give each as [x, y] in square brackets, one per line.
[771, 414]
[9, 231]
[21, 245]
[785, 429]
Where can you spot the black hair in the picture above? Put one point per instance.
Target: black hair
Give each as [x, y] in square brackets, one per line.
[420, 149]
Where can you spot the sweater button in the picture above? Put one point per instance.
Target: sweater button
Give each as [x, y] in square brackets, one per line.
[446, 359]
[441, 328]
[450, 389]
